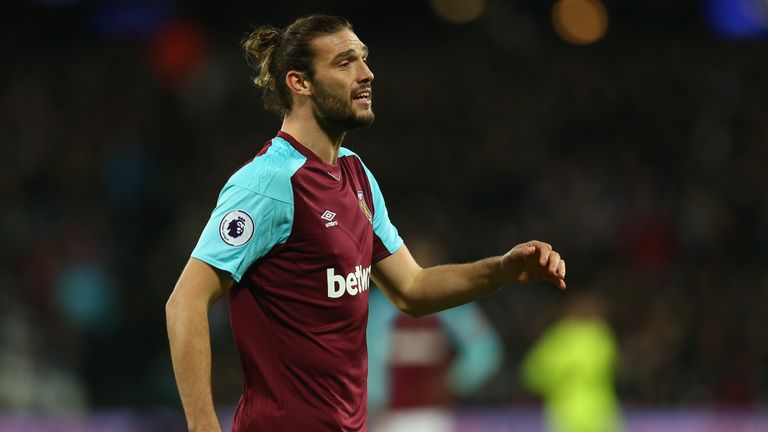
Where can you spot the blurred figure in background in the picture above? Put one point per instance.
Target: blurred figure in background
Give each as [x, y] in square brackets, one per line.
[572, 367]
[419, 366]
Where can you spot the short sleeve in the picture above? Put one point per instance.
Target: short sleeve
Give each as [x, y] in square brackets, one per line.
[244, 226]
[383, 229]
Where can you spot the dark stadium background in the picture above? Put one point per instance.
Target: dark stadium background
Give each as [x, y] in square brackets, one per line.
[642, 157]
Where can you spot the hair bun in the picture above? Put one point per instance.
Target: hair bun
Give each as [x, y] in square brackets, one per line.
[259, 46]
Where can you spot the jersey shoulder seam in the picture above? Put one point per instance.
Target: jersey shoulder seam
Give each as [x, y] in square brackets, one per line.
[245, 188]
[270, 174]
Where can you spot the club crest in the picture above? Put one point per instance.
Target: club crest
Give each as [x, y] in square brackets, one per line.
[363, 206]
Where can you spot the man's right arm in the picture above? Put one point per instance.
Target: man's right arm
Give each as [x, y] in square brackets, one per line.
[199, 286]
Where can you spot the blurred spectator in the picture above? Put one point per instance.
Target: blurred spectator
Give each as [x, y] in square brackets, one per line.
[572, 367]
[418, 367]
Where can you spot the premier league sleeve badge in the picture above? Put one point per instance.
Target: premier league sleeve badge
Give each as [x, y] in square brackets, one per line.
[236, 228]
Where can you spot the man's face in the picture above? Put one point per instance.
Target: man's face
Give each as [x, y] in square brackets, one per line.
[341, 87]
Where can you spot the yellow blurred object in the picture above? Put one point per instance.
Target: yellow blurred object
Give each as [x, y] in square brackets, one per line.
[572, 367]
[580, 22]
[459, 11]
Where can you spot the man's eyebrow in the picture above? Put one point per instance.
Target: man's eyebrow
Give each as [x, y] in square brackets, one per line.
[349, 53]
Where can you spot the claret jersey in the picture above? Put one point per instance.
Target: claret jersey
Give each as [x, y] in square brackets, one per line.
[298, 236]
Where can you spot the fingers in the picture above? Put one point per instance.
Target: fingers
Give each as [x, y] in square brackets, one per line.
[560, 275]
[553, 263]
[560, 284]
[549, 258]
[556, 270]
[527, 249]
[544, 249]
[548, 264]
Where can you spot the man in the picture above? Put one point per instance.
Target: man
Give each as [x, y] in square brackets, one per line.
[572, 367]
[315, 231]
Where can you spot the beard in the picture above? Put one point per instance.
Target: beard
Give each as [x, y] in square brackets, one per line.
[335, 113]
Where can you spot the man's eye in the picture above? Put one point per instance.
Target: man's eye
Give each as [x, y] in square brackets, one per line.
[343, 64]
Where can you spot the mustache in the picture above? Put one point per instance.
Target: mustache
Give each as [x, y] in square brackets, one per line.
[364, 87]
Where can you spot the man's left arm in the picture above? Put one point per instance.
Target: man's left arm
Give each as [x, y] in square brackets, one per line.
[420, 291]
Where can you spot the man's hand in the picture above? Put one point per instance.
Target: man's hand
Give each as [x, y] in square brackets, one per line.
[534, 261]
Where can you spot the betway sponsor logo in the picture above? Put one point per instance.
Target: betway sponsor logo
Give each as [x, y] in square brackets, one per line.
[354, 283]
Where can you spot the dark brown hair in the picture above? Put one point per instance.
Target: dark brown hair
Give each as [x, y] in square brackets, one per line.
[273, 52]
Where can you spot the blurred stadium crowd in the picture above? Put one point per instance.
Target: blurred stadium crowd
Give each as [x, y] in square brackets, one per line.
[642, 158]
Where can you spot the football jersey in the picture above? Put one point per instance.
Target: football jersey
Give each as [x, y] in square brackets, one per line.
[299, 236]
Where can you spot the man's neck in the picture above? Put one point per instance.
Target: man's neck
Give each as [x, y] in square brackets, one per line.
[302, 125]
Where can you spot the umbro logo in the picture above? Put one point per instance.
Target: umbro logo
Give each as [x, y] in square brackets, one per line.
[329, 215]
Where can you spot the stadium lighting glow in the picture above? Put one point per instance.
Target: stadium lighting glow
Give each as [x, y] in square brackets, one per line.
[739, 19]
[459, 11]
[580, 22]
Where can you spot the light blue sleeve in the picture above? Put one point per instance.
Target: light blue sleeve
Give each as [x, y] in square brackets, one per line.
[381, 316]
[479, 348]
[243, 227]
[382, 226]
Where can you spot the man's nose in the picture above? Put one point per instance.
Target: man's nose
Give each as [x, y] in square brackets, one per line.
[366, 75]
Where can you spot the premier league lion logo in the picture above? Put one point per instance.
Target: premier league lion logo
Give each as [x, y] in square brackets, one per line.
[236, 228]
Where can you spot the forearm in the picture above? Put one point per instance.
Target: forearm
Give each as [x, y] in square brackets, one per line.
[419, 291]
[189, 337]
[446, 286]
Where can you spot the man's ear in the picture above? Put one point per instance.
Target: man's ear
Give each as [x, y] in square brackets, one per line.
[298, 83]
